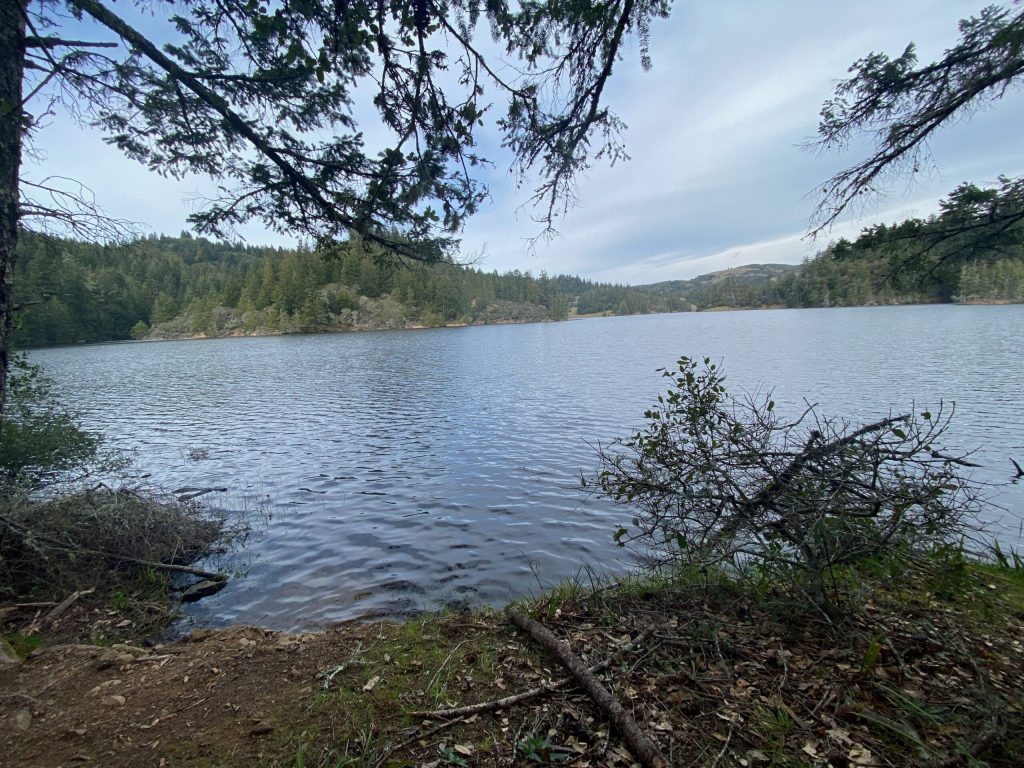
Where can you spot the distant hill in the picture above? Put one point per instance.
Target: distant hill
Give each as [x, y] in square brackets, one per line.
[751, 285]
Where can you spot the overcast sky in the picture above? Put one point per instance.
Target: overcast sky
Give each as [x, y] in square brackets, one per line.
[716, 178]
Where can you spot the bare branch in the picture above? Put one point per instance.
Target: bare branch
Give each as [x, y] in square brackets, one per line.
[56, 42]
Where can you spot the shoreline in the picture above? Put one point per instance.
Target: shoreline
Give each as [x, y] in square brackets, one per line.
[717, 670]
[570, 318]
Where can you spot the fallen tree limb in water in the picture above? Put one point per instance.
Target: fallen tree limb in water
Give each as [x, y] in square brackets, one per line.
[639, 742]
[190, 492]
[540, 690]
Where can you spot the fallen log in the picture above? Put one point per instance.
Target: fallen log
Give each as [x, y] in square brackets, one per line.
[540, 690]
[170, 567]
[639, 742]
[203, 589]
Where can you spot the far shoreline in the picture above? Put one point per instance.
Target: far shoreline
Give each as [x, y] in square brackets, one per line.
[572, 317]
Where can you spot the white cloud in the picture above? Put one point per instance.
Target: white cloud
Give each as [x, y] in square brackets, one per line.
[716, 177]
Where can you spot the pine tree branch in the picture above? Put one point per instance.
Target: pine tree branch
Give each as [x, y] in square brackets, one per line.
[327, 210]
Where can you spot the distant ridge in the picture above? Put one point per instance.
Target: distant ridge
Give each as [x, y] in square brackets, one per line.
[751, 285]
[745, 273]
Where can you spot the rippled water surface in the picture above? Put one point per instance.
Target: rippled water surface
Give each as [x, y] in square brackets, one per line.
[411, 469]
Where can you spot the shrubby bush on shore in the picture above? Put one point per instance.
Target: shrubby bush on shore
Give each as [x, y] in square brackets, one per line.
[41, 441]
[66, 525]
[716, 479]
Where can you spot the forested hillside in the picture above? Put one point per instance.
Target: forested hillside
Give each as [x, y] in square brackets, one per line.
[971, 251]
[749, 286]
[166, 287]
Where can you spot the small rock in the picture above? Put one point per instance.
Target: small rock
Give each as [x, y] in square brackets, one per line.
[371, 683]
[103, 686]
[287, 643]
[21, 720]
[113, 700]
[111, 658]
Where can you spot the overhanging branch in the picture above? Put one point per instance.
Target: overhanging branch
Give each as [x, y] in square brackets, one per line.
[328, 210]
[57, 42]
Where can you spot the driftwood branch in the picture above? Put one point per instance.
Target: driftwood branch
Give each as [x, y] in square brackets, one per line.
[812, 450]
[188, 492]
[639, 742]
[172, 568]
[540, 690]
[954, 460]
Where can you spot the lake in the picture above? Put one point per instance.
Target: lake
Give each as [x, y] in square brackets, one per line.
[408, 470]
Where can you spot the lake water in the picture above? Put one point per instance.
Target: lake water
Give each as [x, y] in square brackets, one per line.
[414, 469]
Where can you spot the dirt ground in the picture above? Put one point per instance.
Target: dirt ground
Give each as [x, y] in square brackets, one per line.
[723, 678]
[214, 697]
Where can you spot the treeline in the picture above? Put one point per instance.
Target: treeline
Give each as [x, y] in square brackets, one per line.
[971, 251]
[873, 279]
[182, 286]
[164, 287]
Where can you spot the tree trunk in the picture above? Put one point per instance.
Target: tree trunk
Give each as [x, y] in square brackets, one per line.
[12, 68]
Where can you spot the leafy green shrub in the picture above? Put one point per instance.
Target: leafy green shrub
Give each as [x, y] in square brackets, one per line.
[140, 330]
[41, 441]
[717, 479]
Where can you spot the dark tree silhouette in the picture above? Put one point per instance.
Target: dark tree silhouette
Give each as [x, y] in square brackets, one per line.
[901, 104]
